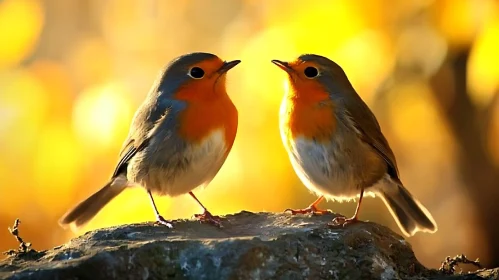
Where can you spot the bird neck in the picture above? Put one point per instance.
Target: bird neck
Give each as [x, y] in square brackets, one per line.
[203, 116]
[308, 114]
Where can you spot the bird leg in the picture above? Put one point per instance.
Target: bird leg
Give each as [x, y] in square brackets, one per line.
[159, 219]
[206, 216]
[343, 221]
[312, 208]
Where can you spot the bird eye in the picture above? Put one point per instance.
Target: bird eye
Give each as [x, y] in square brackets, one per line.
[311, 72]
[196, 73]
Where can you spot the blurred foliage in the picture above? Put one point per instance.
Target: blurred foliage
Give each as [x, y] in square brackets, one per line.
[73, 72]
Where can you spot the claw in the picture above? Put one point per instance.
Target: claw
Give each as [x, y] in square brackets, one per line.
[207, 217]
[342, 221]
[311, 209]
[159, 219]
[162, 221]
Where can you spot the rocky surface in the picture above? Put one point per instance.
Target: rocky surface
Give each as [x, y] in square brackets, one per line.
[249, 246]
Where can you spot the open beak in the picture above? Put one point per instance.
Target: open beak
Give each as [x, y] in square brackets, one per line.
[283, 65]
[228, 65]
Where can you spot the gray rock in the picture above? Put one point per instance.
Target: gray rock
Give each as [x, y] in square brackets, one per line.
[250, 246]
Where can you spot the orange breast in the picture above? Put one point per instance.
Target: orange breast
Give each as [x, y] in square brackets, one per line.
[202, 117]
[308, 114]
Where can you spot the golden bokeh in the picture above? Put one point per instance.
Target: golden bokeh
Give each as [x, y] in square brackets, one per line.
[72, 75]
[484, 73]
[21, 22]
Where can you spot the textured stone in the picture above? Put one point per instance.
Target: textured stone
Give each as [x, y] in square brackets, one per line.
[249, 246]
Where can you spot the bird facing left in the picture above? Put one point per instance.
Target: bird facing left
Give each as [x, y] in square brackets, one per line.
[178, 140]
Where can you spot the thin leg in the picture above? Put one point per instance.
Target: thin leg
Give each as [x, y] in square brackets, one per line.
[159, 218]
[206, 216]
[342, 221]
[312, 208]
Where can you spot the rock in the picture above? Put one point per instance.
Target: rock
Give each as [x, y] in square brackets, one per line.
[250, 246]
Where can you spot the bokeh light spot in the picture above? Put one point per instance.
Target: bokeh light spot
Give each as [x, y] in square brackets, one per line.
[483, 71]
[21, 22]
[57, 166]
[101, 115]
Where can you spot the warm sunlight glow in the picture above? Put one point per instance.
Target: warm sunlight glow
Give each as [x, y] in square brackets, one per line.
[21, 22]
[415, 110]
[484, 62]
[460, 19]
[72, 74]
[57, 166]
[23, 109]
[100, 114]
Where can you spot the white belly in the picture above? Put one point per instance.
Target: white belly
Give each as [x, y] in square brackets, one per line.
[192, 167]
[338, 169]
[322, 171]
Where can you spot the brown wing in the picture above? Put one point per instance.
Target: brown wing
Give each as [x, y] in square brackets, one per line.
[370, 132]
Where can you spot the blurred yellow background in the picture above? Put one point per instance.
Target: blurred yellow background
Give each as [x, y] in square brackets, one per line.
[72, 74]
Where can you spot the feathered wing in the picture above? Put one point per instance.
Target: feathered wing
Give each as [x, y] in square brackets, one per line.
[144, 124]
[410, 215]
[370, 133]
[138, 138]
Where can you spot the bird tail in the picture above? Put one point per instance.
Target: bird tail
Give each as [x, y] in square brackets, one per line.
[411, 216]
[88, 208]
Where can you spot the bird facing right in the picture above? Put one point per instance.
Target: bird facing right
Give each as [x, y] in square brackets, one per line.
[178, 140]
[336, 146]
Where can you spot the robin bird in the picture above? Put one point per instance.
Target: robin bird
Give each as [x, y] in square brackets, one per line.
[178, 140]
[336, 146]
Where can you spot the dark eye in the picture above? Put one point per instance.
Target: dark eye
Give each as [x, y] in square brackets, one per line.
[311, 72]
[196, 73]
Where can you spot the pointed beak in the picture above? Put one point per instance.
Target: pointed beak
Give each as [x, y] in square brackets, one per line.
[228, 65]
[283, 65]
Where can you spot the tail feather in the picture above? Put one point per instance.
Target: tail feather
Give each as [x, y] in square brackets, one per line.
[88, 208]
[411, 216]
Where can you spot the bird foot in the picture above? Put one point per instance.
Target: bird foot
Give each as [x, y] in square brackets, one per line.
[162, 221]
[342, 221]
[311, 209]
[207, 217]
